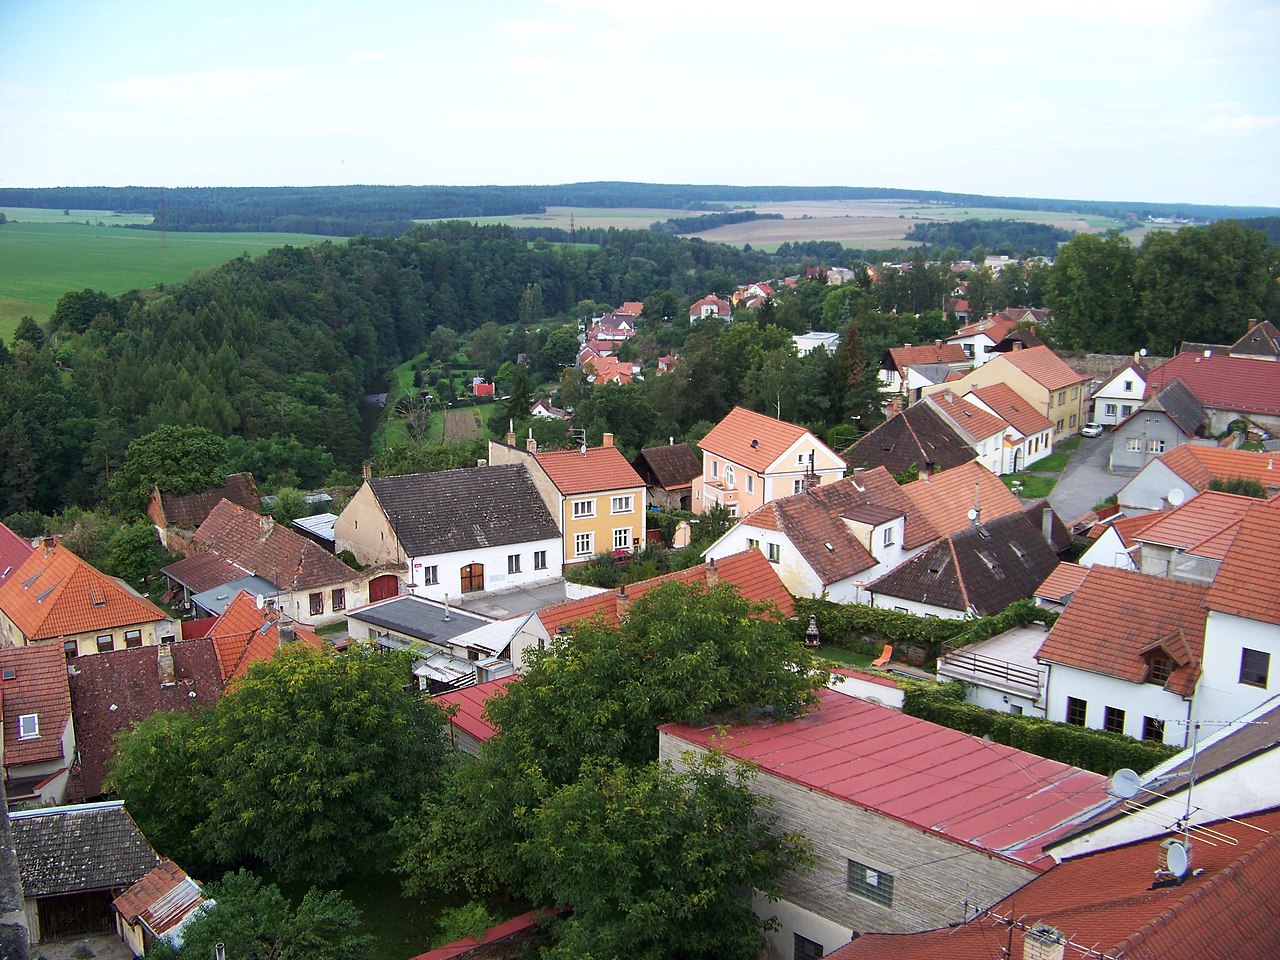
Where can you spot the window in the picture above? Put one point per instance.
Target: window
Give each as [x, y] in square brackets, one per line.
[1153, 729]
[106, 643]
[1128, 386]
[797, 486]
[1155, 446]
[132, 638]
[539, 559]
[1109, 410]
[753, 544]
[430, 575]
[69, 648]
[622, 504]
[1126, 409]
[800, 459]
[1133, 445]
[1075, 393]
[1076, 710]
[513, 563]
[1254, 667]
[1015, 709]
[888, 536]
[339, 598]
[775, 553]
[316, 601]
[1071, 421]
[1113, 720]
[1059, 426]
[622, 538]
[806, 949]
[28, 726]
[870, 883]
[583, 508]
[584, 544]
[1159, 667]
[733, 510]
[715, 468]
[751, 483]
[1062, 396]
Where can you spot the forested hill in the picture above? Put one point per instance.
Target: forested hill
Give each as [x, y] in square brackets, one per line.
[389, 210]
[278, 350]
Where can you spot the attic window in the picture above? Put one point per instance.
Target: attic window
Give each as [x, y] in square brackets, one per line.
[1018, 551]
[990, 561]
[9, 673]
[28, 726]
[1159, 667]
[97, 597]
[829, 546]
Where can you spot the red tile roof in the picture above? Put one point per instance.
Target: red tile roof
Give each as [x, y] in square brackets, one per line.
[910, 356]
[188, 510]
[1246, 584]
[1127, 527]
[960, 787]
[56, 594]
[1022, 416]
[1242, 384]
[110, 692]
[598, 470]
[39, 686]
[162, 899]
[13, 551]
[470, 703]
[995, 327]
[203, 571]
[1106, 902]
[245, 635]
[1198, 464]
[466, 946]
[972, 419]
[1045, 367]
[1063, 582]
[609, 369]
[748, 571]
[945, 499]
[751, 439]
[1204, 526]
[1116, 617]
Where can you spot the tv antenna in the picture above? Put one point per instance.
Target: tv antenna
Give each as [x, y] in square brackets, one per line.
[579, 436]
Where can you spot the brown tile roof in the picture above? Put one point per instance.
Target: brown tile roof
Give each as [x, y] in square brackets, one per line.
[1242, 384]
[1204, 526]
[751, 439]
[162, 899]
[748, 571]
[39, 686]
[1023, 417]
[188, 510]
[1116, 617]
[1062, 583]
[981, 569]
[1106, 902]
[113, 691]
[55, 594]
[671, 467]
[259, 545]
[945, 499]
[203, 571]
[13, 551]
[917, 436]
[970, 418]
[600, 469]
[245, 635]
[1246, 584]
[1198, 464]
[910, 356]
[1045, 367]
[79, 848]
[1261, 340]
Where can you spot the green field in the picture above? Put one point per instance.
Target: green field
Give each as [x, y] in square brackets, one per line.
[1055, 217]
[41, 215]
[39, 262]
[624, 218]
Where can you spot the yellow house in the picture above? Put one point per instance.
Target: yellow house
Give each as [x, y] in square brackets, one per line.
[596, 497]
[57, 597]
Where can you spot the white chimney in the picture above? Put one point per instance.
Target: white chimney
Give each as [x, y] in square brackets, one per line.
[1043, 942]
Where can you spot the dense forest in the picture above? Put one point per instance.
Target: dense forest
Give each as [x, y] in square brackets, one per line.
[389, 210]
[1014, 238]
[709, 221]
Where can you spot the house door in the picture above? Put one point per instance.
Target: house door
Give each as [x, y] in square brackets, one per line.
[380, 588]
[473, 577]
[75, 914]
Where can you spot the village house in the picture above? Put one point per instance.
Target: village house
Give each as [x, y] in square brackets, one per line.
[982, 431]
[39, 742]
[710, 306]
[594, 496]
[875, 812]
[918, 439]
[454, 531]
[55, 597]
[1171, 417]
[1175, 476]
[669, 472]
[1229, 387]
[978, 339]
[1029, 436]
[806, 343]
[176, 516]
[605, 369]
[1191, 541]
[545, 411]
[749, 459]
[933, 361]
[1120, 393]
[1113, 542]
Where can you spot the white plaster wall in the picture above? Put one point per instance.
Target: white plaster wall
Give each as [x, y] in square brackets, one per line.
[991, 699]
[867, 690]
[1108, 551]
[1137, 700]
[1220, 694]
[792, 919]
[887, 602]
[796, 574]
[1148, 489]
[494, 559]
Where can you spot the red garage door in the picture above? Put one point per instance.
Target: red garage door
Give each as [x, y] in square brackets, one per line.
[380, 588]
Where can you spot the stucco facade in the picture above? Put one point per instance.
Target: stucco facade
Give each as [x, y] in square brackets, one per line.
[1067, 408]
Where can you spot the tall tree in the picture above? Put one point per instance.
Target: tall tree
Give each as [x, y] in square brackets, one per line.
[1091, 292]
[176, 459]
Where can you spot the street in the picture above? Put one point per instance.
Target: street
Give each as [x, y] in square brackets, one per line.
[1086, 481]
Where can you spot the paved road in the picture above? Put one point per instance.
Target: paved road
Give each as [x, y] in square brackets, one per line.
[1086, 481]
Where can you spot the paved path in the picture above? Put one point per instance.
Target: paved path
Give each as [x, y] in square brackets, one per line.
[1086, 481]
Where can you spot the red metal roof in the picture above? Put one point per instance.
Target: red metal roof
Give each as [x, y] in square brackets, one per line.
[470, 705]
[960, 787]
[463, 947]
[162, 899]
[13, 552]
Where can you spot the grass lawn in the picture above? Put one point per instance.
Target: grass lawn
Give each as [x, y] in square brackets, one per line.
[39, 262]
[846, 658]
[1055, 462]
[1033, 487]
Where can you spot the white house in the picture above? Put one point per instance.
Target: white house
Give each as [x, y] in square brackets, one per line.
[1121, 393]
[981, 429]
[1029, 436]
[806, 343]
[978, 339]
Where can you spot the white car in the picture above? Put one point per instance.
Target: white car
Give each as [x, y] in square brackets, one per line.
[1091, 429]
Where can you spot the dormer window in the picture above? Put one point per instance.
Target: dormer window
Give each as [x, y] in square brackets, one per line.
[28, 726]
[1159, 668]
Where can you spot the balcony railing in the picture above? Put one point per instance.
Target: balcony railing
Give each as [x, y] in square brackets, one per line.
[976, 668]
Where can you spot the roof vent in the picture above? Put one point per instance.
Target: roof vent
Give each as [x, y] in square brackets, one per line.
[755, 444]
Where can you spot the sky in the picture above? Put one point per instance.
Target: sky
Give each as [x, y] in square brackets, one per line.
[1170, 101]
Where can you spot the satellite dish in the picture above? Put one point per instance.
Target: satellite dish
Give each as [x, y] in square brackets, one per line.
[1142, 352]
[1125, 783]
[583, 450]
[260, 601]
[1175, 497]
[1177, 858]
[973, 514]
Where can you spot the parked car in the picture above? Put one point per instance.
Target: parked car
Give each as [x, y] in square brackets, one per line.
[1091, 429]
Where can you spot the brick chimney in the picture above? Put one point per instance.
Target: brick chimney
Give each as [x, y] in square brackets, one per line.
[606, 440]
[531, 444]
[47, 544]
[511, 433]
[367, 469]
[1043, 942]
[622, 603]
[164, 665]
[713, 572]
[267, 523]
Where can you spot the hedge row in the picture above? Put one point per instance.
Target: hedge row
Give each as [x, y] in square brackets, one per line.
[1094, 750]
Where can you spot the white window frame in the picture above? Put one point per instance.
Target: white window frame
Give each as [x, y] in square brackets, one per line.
[753, 544]
[584, 544]
[1109, 409]
[584, 509]
[889, 540]
[622, 539]
[1133, 445]
[513, 563]
[539, 559]
[751, 483]
[797, 486]
[715, 469]
[729, 476]
[28, 726]
[622, 504]
[430, 575]
[774, 553]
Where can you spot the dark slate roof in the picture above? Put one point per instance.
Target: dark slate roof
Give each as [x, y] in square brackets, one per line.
[1181, 405]
[1017, 340]
[914, 437]
[985, 567]
[112, 691]
[670, 466]
[1261, 340]
[1059, 534]
[188, 510]
[421, 619]
[434, 513]
[94, 846]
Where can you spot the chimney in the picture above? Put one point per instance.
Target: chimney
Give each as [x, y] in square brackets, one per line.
[531, 444]
[623, 603]
[48, 543]
[927, 471]
[367, 470]
[511, 433]
[1046, 524]
[713, 572]
[937, 344]
[975, 517]
[267, 523]
[164, 664]
[1043, 942]
[606, 440]
[284, 631]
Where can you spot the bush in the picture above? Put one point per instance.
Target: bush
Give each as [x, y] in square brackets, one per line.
[1094, 750]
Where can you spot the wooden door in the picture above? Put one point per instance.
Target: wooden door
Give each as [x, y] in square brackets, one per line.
[75, 914]
[473, 577]
[380, 588]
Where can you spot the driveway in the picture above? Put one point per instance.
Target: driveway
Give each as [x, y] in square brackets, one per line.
[1086, 481]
